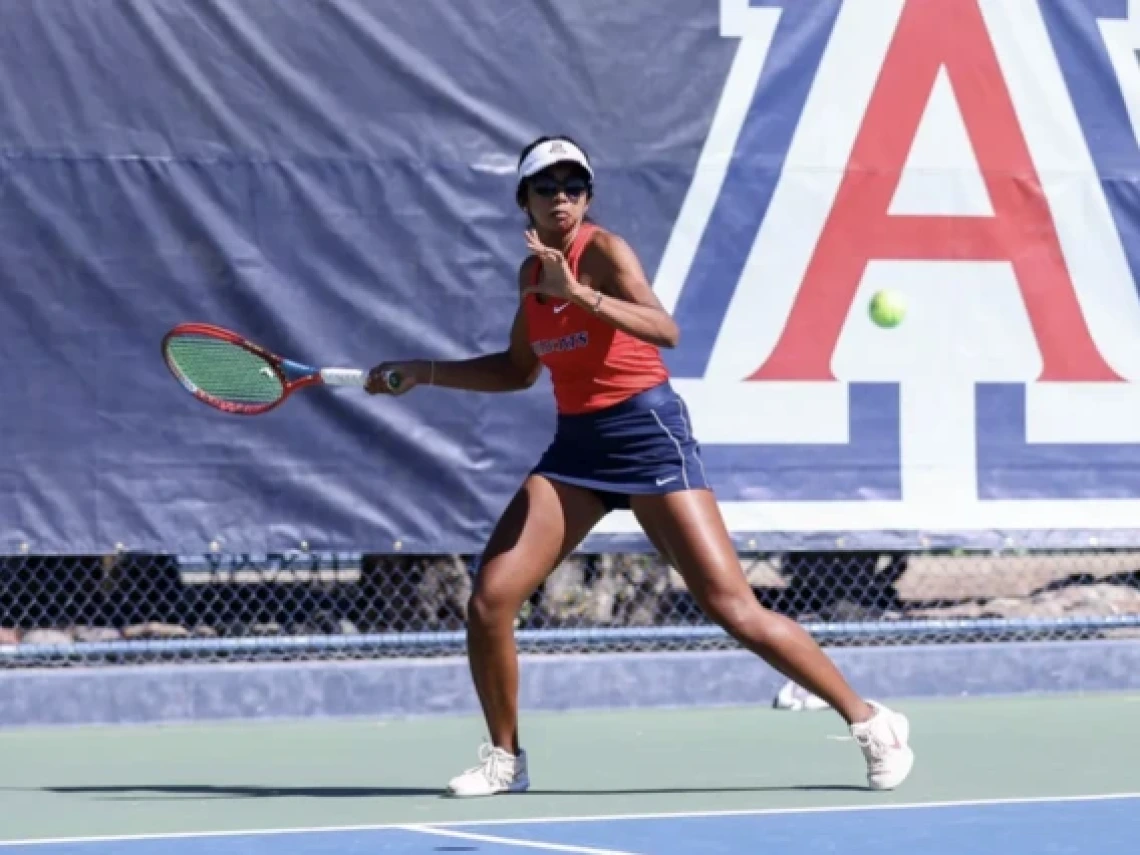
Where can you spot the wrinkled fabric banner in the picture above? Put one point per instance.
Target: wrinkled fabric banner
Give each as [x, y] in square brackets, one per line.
[335, 181]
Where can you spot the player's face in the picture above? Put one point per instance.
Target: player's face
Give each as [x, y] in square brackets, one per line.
[558, 198]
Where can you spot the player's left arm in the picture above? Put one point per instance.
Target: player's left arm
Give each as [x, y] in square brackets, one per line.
[623, 297]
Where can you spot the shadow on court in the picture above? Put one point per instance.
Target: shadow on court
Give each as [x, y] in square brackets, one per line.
[208, 791]
[154, 792]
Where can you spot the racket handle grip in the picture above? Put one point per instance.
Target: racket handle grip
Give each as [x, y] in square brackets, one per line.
[343, 376]
[357, 377]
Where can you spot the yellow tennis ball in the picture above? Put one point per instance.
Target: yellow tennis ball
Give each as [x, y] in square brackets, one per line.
[888, 309]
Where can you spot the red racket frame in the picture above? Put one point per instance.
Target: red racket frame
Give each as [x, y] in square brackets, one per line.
[293, 375]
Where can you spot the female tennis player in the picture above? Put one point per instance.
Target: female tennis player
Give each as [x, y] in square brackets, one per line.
[623, 440]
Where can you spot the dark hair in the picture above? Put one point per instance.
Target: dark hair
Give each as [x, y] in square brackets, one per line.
[520, 191]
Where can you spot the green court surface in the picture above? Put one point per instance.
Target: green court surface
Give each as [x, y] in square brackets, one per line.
[117, 781]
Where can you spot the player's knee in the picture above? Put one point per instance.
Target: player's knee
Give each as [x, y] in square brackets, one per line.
[487, 611]
[742, 617]
[729, 609]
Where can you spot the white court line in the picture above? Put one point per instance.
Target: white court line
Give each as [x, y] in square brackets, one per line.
[508, 841]
[480, 823]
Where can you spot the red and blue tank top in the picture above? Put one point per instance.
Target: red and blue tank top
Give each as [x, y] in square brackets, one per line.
[592, 364]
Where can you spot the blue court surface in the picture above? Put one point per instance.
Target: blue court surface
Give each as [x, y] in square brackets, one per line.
[1106, 825]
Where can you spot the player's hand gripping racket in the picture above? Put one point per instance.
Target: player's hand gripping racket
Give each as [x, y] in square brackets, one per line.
[224, 370]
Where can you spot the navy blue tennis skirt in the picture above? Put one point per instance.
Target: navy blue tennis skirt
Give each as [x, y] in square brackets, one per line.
[642, 446]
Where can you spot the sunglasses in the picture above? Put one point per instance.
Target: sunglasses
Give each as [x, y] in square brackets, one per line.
[548, 188]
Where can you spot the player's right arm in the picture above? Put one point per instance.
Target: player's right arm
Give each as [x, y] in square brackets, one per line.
[509, 370]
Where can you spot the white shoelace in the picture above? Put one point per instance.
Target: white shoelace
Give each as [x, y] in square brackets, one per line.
[874, 747]
[492, 765]
[868, 740]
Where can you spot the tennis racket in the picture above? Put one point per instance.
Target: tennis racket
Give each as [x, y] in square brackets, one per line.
[232, 374]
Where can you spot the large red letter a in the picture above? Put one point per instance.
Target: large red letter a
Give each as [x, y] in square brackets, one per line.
[933, 34]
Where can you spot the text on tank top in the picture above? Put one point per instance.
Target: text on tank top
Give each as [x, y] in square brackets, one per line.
[592, 364]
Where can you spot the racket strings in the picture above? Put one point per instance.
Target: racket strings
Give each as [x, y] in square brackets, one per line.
[225, 371]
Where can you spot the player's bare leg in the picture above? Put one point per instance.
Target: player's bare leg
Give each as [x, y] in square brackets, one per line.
[543, 523]
[688, 528]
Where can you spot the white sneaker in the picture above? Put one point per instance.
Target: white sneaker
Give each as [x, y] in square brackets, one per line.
[884, 740]
[498, 771]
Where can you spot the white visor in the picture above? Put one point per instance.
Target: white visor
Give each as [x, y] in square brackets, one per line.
[552, 152]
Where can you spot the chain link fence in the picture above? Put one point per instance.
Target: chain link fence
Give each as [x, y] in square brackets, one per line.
[60, 610]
